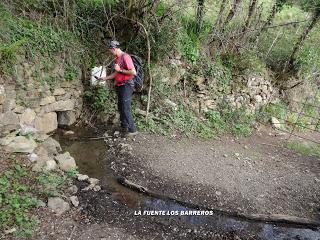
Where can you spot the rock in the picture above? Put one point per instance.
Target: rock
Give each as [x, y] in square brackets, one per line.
[58, 205]
[47, 100]
[9, 231]
[22, 144]
[27, 117]
[200, 81]
[237, 154]
[7, 139]
[65, 161]
[74, 200]
[41, 203]
[93, 181]
[9, 121]
[276, 123]
[46, 123]
[2, 94]
[126, 146]
[96, 188]
[32, 157]
[67, 133]
[66, 118]
[60, 106]
[225, 155]
[19, 109]
[59, 91]
[27, 130]
[264, 88]
[41, 161]
[9, 104]
[258, 99]
[73, 189]
[171, 104]
[40, 137]
[50, 165]
[116, 133]
[52, 146]
[82, 177]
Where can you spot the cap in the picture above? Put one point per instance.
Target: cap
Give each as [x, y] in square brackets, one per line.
[114, 44]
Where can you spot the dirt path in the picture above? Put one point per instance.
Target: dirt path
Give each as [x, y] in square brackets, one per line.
[254, 175]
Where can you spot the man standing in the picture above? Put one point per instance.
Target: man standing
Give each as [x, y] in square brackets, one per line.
[124, 73]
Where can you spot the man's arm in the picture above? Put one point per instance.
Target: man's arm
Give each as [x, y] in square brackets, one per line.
[109, 77]
[129, 72]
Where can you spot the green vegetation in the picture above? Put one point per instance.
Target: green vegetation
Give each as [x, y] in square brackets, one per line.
[221, 43]
[307, 148]
[21, 191]
[16, 200]
[100, 99]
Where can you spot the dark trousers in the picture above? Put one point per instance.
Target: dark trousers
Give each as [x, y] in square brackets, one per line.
[124, 106]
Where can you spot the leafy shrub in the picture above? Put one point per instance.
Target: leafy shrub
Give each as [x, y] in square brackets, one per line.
[278, 110]
[16, 201]
[100, 99]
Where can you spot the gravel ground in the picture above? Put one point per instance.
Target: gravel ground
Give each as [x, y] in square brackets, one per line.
[254, 175]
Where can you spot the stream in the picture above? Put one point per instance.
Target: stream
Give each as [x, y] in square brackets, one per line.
[92, 159]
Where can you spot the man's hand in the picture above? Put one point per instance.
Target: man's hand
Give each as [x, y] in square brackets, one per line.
[117, 67]
[98, 78]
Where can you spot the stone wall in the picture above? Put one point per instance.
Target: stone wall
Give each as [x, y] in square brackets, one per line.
[251, 91]
[39, 98]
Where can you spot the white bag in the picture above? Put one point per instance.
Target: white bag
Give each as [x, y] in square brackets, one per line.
[98, 72]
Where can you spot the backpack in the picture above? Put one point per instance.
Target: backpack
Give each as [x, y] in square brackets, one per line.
[138, 78]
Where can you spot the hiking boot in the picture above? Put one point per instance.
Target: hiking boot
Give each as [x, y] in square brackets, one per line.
[124, 129]
[131, 134]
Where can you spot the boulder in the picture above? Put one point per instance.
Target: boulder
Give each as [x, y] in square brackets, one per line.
[27, 117]
[65, 161]
[41, 160]
[277, 124]
[52, 146]
[19, 109]
[47, 100]
[59, 91]
[50, 165]
[8, 121]
[58, 205]
[66, 118]
[7, 139]
[27, 130]
[9, 104]
[40, 137]
[22, 144]
[60, 106]
[46, 123]
[82, 177]
[74, 200]
[72, 189]
[33, 157]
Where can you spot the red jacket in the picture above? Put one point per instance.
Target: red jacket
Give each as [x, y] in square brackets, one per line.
[125, 64]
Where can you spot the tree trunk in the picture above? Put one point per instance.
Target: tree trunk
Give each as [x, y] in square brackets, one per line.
[314, 20]
[275, 9]
[231, 13]
[131, 8]
[199, 17]
[251, 11]
[222, 7]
